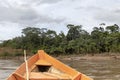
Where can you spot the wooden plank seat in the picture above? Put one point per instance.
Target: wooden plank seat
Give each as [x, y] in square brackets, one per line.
[59, 76]
[47, 76]
[40, 76]
[43, 62]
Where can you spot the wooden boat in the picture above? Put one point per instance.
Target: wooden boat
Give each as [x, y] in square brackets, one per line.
[41, 66]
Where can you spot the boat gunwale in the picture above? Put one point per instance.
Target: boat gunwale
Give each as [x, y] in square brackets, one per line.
[77, 75]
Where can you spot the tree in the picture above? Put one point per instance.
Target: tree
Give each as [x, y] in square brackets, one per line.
[77, 40]
[113, 28]
[73, 32]
[31, 39]
[98, 36]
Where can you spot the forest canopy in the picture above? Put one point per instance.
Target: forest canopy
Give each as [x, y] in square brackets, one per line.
[77, 40]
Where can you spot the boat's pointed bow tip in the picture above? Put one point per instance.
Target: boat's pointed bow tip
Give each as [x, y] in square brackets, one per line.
[41, 51]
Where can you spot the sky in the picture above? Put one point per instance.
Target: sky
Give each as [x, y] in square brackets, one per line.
[16, 15]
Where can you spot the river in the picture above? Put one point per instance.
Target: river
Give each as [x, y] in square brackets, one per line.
[97, 69]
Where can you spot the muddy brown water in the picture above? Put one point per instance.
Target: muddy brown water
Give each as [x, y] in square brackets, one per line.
[97, 69]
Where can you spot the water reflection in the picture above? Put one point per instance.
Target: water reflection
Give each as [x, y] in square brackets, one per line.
[99, 70]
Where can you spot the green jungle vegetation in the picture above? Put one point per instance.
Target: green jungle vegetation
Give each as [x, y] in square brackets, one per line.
[76, 41]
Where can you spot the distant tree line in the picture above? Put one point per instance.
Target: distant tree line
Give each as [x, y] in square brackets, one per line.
[77, 40]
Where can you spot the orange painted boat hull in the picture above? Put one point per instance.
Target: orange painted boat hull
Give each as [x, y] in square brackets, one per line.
[41, 66]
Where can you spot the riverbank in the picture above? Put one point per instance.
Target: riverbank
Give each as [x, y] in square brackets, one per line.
[103, 56]
[9, 53]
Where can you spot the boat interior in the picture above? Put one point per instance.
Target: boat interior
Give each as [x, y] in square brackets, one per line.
[41, 66]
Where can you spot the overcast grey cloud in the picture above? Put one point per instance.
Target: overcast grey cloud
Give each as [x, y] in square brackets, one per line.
[49, 1]
[109, 16]
[25, 15]
[17, 14]
[55, 14]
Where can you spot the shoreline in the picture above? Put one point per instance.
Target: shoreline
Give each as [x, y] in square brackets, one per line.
[90, 57]
[73, 57]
